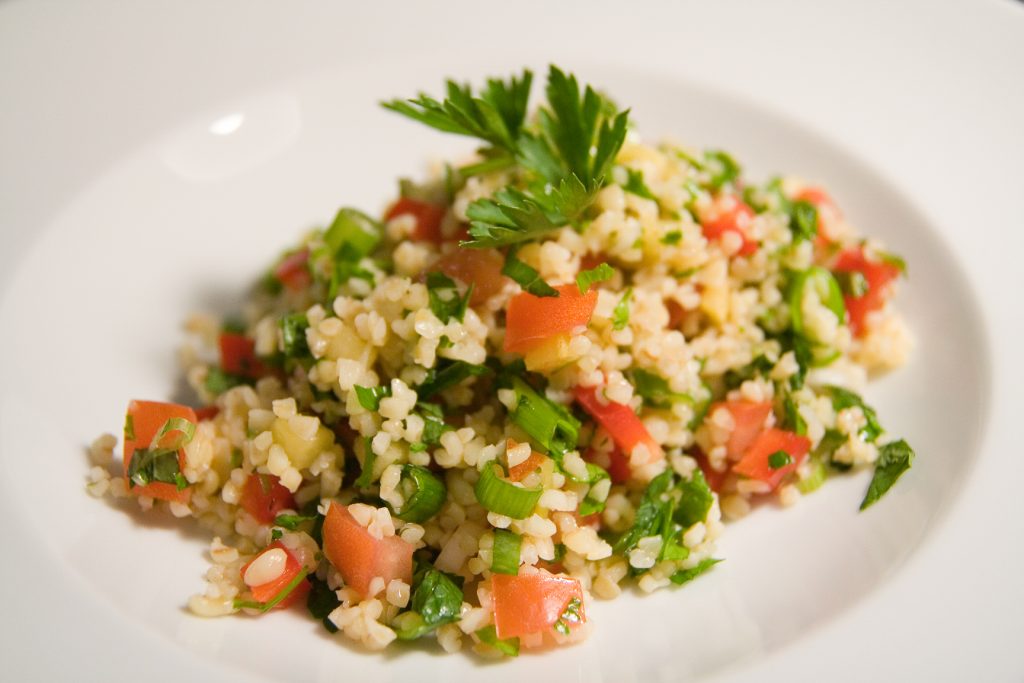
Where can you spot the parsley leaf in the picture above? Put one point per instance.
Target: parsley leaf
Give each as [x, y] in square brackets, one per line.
[436, 600]
[449, 376]
[528, 278]
[495, 114]
[672, 238]
[723, 168]
[893, 460]
[844, 398]
[686, 575]
[635, 184]
[445, 301]
[654, 389]
[321, 601]
[369, 397]
[620, 314]
[803, 220]
[514, 216]
[601, 273]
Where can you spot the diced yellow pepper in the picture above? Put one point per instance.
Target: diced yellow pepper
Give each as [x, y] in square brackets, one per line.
[551, 354]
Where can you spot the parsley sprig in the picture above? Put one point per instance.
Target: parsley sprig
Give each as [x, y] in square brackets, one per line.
[563, 158]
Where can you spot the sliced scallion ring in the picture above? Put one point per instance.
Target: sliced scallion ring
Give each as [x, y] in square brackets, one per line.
[828, 291]
[186, 430]
[503, 497]
[424, 494]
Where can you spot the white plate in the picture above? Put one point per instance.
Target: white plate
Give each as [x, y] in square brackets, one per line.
[155, 160]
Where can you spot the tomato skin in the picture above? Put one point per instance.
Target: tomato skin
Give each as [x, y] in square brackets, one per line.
[147, 419]
[264, 497]
[755, 461]
[428, 218]
[621, 423]
[748, 420]
[531, 319]
[615, 462]
[532, 603]
[207, 413]
[713, 477]
[360, 557]
[238, 355]
[879, 276]
[478, 267]
[531, 464]
[293, 271]
[267, 591]
[729, 213]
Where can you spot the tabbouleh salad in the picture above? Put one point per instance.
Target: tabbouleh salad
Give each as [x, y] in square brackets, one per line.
[543, 372]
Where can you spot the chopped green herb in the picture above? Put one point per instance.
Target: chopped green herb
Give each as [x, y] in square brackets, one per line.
[505, 552]
[488, 635]
[149, 465]
[292, 522]
[686, 575]
[217, 381]
[365, 477]
[293, 336]
[695, 500]
[352, 235]
[433, 423]
[761, 366]
[672, 237]
[654, 389]
[273, 602]
[620, 314]
[321, 601]
[514, 216]
[129, 427]
[792, 420]
[503, 497]
[586, 278]
[723, 168]
[236, 458]
[445, 301]
[803, 220]
[436, 600]
[779, 459]
[894, 260]
[528, 278]
[844, 398]
[813, 481]
[369, 397]
[635, 184]
[449, 376]
[570, 617]
[893, 460]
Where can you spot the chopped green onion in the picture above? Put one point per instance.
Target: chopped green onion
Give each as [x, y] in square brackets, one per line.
[217, 381]
[792, 420]
[353, 233]
[439, 380]
[273, 602]
[779, 459]
[817, 476]
[150, 465]
[803, 220]
[592, 276]
[893, 460]
[852, 282]
[488, 635]
[129, 427]
[620, 314]
[528, 278]
[654, 389]
[505, 552]
[424, 494]
[504, 497]
[894, 260]
[186, 430]
[549, 424]
[369, 397]
[723, 167]
[827, 289]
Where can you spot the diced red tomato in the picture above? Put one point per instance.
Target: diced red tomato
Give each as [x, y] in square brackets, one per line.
[621, 423]
[293, 271]
[748, 420]
[713, 477]
[531, 464]
[147, 417]
[359, 556]
[879, 275]
[532, 603]
[428, 218]
[268, 591]
[207, 413]
[238, 355]
[675, 314]
[729, 213]
[531, 319]
[590, 260]
[478, 267]
[614, 461]
[264, 497]
[756, 462]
